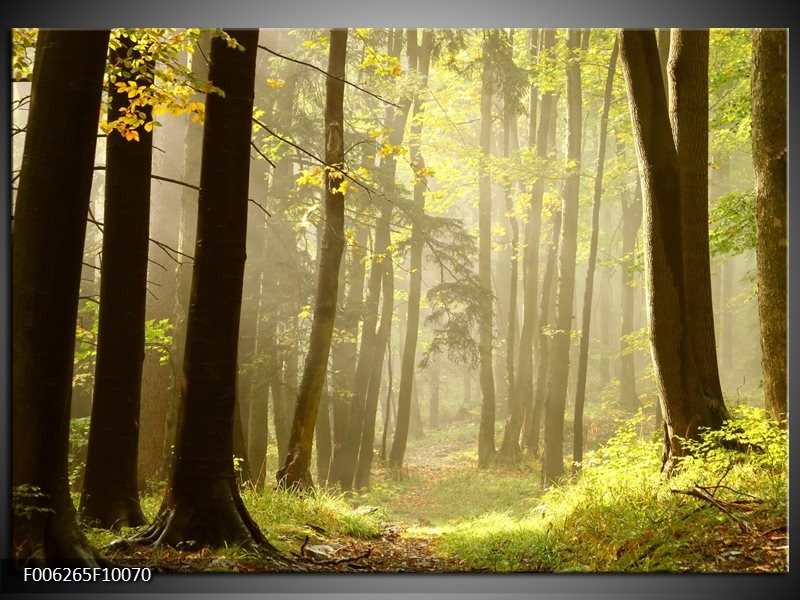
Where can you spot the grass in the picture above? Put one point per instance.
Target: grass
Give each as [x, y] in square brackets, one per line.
[620, 514]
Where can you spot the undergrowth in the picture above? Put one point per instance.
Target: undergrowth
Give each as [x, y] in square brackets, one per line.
[621, 514]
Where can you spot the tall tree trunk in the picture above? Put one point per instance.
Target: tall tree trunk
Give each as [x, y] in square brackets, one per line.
[397, 453]
[51, 206]
[345, 460]
[366, 448]
[555, 405]
[684, 405]
[533, 414]
[688, 78]
[769, 110]
[296, 471]
[728, 274]
[631, 222]
[110, 495]
[583, 359]
[345, 352]
[486, 447]
[509, 122]
[202, 506]
[192, 143]
[387, 412]
[522, 400]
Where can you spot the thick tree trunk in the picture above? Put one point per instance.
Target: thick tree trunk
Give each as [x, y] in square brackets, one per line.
[769, 161]
[47, 249]
[688, 78]
[583, 358]
[110, 496]
[486, 447]
[296, 470]
[193, 141]
[397, 453]
[555, 405]
[684, 405]
[202, 506]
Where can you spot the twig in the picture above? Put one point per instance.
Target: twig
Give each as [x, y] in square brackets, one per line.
[324, 72]
[698, 492]
[261, 154]
[369, 190]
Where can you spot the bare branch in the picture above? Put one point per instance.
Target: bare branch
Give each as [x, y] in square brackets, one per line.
[262, 155]
[324, 72]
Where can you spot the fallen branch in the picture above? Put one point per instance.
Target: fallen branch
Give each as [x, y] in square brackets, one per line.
[725, 507]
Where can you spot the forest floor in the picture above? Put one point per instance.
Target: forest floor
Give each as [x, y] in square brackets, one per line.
[440, 489]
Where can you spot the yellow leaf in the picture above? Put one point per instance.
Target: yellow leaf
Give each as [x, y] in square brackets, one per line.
[148, 127]
[276, 83]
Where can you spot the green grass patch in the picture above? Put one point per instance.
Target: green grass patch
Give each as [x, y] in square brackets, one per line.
[621, 514]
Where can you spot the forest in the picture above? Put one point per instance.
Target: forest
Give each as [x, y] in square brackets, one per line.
[399, 300]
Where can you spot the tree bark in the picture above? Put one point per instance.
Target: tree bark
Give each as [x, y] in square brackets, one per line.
[110, 495]
[687, 69]
[296, 471]
[366, 448]
[486, 447]
[684, 405]
[522, 401]
[47, 250]
[583, 358]
[193, 141]
[769, 110]
[555, 405]
[397, 453]
[202, 506]
[533, 414]
[631, 222]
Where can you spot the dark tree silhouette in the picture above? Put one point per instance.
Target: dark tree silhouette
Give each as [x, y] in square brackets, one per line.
[47, 251]
[110, 497]
[202, 506]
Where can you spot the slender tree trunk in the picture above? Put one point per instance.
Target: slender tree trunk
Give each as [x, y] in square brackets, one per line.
[366, 449]
[583, 359]
[202, 506]
[769, 161]
[397, 453]
[555, 405]
[688, 78]
[486, 447]
[631, 222]
[387, 413]
[296, 471]
[728, 273]
[433, 406]
[509, 120]
[546, 308]
[110, 496]
[47, 249]
[522, 401]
